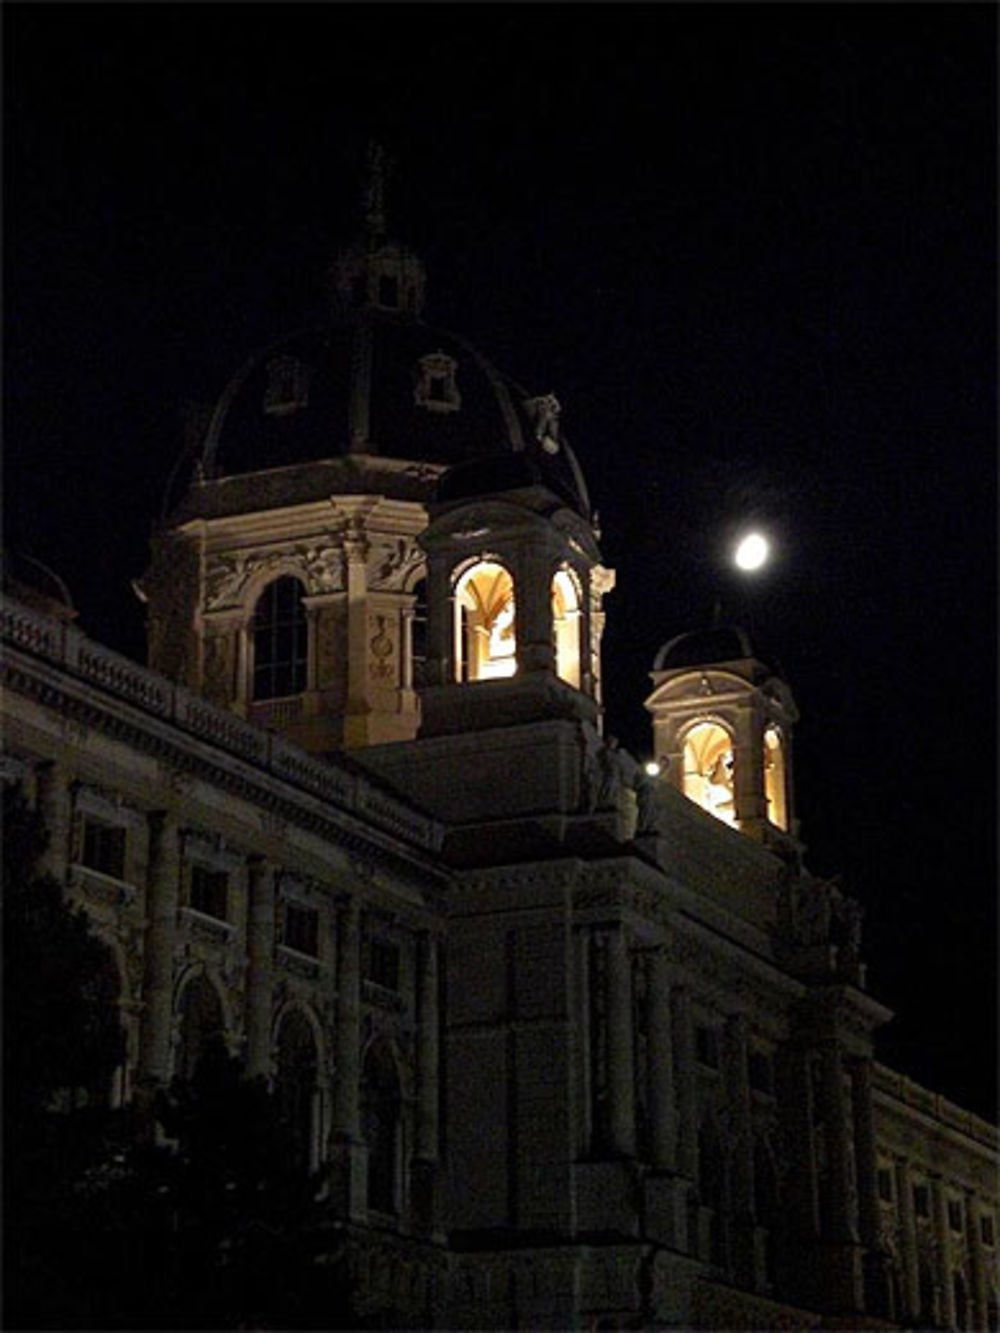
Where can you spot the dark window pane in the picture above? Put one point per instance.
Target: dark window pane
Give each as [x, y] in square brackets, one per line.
[302, 929]
[104, 848]
[209, 891]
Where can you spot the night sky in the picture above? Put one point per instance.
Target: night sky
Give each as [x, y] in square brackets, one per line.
[752, 251]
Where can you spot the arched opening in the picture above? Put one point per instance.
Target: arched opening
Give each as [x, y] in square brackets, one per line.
[708, 771]
[567, 624]
[928, 1304]
[201, 1027]
[485, 632]
[961, 1299]
[296, 1089]
[280, 640]
[765, 1200]
[712, 1190]
[775, 786]
[380, 1100]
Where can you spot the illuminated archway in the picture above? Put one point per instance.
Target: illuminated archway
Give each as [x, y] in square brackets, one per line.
[708, 770]
[485, 630]
[566, 626]
[775, 786]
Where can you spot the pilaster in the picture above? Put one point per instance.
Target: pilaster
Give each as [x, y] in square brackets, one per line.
[260, 974]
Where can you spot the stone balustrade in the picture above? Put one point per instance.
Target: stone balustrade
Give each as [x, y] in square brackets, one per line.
[41, 636]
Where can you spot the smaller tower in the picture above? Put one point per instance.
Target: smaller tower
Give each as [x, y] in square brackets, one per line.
[514, 589]
[722, 730]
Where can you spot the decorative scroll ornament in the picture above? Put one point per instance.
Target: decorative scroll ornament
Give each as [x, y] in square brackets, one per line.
[227, 576]
[396, 561]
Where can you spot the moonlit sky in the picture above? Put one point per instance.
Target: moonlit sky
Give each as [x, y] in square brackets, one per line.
[751, 250]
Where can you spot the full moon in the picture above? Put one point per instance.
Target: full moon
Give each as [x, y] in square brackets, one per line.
[752, 551]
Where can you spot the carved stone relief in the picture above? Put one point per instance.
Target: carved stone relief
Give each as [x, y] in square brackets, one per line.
[227, 576]
[382, 649]
[392, 564]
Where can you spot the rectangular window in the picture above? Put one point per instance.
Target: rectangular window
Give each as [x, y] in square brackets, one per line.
[921, 1201]
[302, 929]
[706, 1044]
[209, 891]
[383, 964]
[104, 848]
[954, 1215]
[885, 1184]
[986, 1229]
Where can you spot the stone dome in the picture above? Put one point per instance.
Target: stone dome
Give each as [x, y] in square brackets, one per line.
[706, 647]
[374, 382]
[375, 399]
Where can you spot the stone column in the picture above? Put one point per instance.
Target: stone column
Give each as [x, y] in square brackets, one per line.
[621, 1055]
[533, 612]
[939, 1206]
[355, 721]
[348, 1055]
[908, 1233]
[738, 1096]
[406, 648]
[864, 1152]
[427, 1054]
[347, 1153]
[661, 1065]
[440, 625]
[739, 1100]
[424, 1175]
[684, 1082]
[162, 895]
[260, 974]
[838, 1223]
[977, 1277]
[55, 810]
[797, 1097]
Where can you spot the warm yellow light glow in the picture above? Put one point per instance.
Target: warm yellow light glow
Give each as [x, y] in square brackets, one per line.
[566, 621]
[774, 778]
[708, 770]
[485, 635]
[651, 768]
[752, 551]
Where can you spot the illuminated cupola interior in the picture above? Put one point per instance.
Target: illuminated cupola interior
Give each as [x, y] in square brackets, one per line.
[515, 586]
[722, 729]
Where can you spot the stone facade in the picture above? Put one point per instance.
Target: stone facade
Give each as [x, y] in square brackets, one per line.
[570, 1046]
[620, 1096]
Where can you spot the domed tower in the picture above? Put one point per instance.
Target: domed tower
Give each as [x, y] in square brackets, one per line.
[722, 730]
[287, 583]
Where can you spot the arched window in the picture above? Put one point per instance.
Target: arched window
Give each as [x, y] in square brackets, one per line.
[774, 778]
[765, 1199]
[961, 1301]
[280, 640]
[295, 1085]
[712, 1191]
[201, 1027]
[928, 1302]
[708, 770]
[567, 623]
[485, 632]
[381, 1112]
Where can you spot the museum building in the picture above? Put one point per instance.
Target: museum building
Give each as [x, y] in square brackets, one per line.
[568, 1045]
